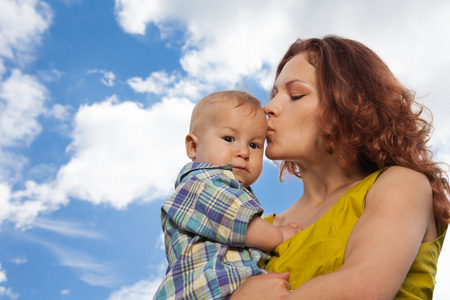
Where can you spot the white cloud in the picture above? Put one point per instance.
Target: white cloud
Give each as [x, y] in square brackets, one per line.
[156, 83]
[22, 24]
[59, 112]
[10, 166]
[5, 291]
[22, 96]
[141, 290]
[107, 78]
[173, 86]
[23, 206]
[219, 52]
[65, 292]
[160, 243]
[22, 101]
[215, 49]
[133, 16]
[190, 88]
[5, 205]
[2, 275]
[120, 153]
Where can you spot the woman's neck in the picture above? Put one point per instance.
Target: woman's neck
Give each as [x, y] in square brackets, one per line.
[322, 188]
[328, 182]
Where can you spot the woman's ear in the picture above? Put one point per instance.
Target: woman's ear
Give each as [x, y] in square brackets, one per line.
[191, 146]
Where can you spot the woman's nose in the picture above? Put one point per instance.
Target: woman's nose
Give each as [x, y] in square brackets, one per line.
[272, 109]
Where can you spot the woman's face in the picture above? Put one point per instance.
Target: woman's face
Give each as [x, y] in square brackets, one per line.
[293, 133]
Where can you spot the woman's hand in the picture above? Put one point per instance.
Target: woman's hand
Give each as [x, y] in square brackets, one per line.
[267, 286]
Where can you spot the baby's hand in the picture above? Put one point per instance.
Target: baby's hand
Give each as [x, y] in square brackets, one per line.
[289, 230]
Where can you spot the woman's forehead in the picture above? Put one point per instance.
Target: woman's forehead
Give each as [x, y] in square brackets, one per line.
[299, 69]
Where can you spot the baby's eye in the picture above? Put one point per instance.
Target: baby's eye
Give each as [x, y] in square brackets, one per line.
[228, 139]
[254, 146]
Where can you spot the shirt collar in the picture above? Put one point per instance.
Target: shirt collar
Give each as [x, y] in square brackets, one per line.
[193, 166]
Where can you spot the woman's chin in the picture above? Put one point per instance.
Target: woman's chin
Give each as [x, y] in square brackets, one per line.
[271, 155]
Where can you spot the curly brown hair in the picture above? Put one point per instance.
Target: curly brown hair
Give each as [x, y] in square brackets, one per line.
[367, 116]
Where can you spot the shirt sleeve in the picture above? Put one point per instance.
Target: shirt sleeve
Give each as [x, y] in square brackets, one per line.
[218, 209]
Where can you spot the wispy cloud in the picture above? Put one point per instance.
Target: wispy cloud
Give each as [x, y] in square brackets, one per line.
[65, 292]
[70, 229]
[50, 75]
[88, 269]
[19, 260]
[144, 289]
[7, 292]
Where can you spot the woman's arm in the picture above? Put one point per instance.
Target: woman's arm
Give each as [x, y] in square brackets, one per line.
[382, 245]
[270, 286]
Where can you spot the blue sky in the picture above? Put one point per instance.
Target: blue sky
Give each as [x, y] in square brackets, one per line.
[95, 100]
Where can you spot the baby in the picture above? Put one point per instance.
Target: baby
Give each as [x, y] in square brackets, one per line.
[214, 233]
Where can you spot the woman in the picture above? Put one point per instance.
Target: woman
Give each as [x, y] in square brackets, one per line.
[374, 208]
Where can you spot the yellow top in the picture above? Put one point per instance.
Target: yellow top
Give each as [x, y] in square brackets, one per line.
[320, 248]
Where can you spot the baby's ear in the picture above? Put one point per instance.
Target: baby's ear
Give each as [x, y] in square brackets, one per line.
[191, 146]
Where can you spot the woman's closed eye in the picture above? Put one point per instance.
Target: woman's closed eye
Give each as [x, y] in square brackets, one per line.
[297, 97]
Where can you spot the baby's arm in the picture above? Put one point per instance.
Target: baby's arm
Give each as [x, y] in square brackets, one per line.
[265, 236]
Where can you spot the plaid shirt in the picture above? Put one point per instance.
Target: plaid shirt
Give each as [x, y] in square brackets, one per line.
[205, 222]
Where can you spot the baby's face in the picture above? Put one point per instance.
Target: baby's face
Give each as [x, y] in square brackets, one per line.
[236, 136]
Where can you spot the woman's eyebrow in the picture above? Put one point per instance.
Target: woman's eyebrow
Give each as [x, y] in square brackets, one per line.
[273, 91]
[289, 83]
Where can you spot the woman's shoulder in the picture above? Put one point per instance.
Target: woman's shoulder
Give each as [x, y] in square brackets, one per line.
[401, 188]
[399, 177]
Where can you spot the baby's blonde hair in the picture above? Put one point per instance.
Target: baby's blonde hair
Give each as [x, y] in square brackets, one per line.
[200, 116]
